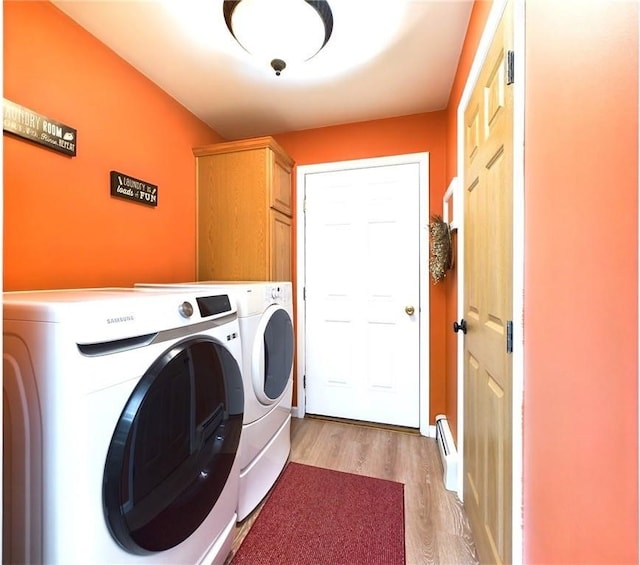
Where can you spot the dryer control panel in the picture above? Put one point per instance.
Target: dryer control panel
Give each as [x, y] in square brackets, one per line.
[279, 293]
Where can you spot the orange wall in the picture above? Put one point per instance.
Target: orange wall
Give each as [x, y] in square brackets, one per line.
[581, 284]
[477, 21]
[394, 136]
[61, 226]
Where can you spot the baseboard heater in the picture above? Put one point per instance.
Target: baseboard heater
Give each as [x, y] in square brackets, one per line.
[448, 453]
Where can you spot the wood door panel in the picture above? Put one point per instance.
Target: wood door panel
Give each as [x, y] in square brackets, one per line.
[280, 253]
[472, 137]
[488, 172]
[472, 241]
[472, 437]
[336, 369]
[281, 186]
[496, 495]
[494, 92]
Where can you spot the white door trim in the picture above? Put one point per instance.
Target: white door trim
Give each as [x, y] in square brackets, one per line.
[491, 26]
[422, 159]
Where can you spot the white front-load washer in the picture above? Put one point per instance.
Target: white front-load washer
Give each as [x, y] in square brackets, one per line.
[122, 420]
[265, 313]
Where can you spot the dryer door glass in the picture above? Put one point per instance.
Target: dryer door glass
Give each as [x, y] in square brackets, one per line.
[278, 353]
[173, 447]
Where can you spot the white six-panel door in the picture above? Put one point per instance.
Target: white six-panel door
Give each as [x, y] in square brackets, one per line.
[362, 292]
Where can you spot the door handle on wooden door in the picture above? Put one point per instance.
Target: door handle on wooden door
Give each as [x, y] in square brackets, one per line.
[460, 326]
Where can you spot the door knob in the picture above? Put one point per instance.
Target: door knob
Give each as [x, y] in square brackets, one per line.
[409, 310]
[460, 326]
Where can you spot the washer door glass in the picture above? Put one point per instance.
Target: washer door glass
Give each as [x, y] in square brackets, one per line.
[173, 447]
[272, 359]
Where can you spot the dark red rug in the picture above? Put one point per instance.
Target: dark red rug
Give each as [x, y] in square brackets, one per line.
[317, 516]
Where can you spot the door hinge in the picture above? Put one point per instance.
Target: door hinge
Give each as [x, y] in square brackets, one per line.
[509, 336]
[510, 67]
[304, 205]
[304, 293]
[304, 381]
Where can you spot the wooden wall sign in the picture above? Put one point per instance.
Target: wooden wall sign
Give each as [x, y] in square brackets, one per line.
[130, 188]
[35, 127]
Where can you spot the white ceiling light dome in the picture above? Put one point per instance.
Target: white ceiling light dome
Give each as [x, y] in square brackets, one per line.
[280, 32]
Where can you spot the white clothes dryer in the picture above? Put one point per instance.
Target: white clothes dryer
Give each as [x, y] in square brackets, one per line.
[265, 313]
[122, 421]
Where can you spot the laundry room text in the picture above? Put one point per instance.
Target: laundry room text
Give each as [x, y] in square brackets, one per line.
[136, 190]
[29, 125]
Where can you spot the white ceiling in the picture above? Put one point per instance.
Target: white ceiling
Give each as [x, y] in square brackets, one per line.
[388, 58]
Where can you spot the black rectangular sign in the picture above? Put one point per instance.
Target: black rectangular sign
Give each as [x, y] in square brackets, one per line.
[124, 186]
[27, 124]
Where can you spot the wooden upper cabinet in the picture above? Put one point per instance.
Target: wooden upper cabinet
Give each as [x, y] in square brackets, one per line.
[243, 211]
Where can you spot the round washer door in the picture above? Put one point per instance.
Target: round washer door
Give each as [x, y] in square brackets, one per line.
[174, 446]
[272, 356]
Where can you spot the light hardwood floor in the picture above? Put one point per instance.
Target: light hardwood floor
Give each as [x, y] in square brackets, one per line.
[436, 528]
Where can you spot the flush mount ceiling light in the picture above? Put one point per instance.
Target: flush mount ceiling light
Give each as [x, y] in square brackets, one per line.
[280, 32]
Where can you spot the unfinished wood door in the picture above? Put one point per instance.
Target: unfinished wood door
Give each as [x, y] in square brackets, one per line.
[488, 183]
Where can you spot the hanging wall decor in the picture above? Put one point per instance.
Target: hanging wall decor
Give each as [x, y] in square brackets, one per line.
[136, 190]
[29, 125]
[441, 259]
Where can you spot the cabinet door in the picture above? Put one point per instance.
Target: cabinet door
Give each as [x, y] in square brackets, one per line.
[233, 218]
[281, 186]
[280, 246]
